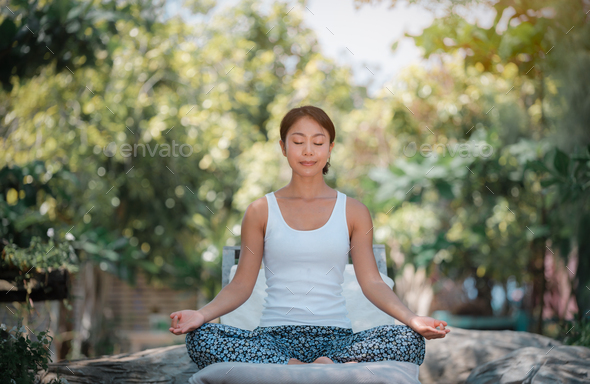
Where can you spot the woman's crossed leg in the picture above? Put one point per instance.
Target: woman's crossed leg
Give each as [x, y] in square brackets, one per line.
[384, 342]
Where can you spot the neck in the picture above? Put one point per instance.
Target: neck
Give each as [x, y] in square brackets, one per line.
[307, 192]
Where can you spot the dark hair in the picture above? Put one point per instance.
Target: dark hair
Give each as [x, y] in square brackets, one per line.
[315, 113]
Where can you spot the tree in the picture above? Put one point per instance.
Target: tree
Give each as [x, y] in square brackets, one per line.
[162, 136]
[534, 49]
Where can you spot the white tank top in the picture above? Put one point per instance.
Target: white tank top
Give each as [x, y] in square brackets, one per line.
[304, 270]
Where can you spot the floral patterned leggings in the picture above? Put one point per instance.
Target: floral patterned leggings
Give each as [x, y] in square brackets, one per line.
[213, 343]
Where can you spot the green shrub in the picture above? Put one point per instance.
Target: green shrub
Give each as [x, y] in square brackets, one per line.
[576, 332]
[21, 358]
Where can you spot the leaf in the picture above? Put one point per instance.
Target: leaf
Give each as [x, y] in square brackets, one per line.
[445, 190]
[149, 266]
[95, 16]
[73, 27]
[29, 218]
[425, 257]
[119, 243]
[91, 248]
[7, 32]
[394, 46]
[75, 12]
[108, 254]
[549, 182]
[561, 162]
[566, 195]
[538, 166]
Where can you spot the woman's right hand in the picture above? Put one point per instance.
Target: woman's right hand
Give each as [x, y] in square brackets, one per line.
[186, 321]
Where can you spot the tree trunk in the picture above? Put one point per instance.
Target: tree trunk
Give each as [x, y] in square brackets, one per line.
[65, 331]
[537, 268]
[87, 315]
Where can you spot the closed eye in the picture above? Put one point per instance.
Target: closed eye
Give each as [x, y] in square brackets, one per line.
[302, 143]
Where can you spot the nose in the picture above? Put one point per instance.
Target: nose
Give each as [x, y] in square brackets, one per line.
[308, 148]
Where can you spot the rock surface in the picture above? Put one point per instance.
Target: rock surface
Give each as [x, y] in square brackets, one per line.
[565, 364]
[158, 365]
[463, 356]
[451, 360]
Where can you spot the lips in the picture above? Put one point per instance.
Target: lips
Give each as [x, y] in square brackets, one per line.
[308, 162]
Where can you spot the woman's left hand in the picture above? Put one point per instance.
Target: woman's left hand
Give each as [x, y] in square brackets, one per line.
[426, 326]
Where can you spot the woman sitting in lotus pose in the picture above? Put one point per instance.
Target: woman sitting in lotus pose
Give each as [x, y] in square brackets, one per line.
[303, 232]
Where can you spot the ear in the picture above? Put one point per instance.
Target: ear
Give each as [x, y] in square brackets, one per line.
[283, 149]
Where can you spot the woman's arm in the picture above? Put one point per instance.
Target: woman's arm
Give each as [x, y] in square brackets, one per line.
[228, 299]
[379, 293]
[373, 286]
[240, 288]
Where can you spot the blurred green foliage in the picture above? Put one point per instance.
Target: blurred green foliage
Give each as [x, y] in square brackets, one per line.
[157, 87]
[575, 332]
[68, 34]
[496, 217]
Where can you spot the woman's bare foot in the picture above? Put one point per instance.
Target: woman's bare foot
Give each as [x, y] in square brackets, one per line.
[319, 360]
[323, 360]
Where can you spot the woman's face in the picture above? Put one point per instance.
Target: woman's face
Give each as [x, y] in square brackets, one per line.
[307, 142]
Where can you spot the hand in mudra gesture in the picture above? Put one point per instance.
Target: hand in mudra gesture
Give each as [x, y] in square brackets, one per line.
[186, 321]
[426, 326]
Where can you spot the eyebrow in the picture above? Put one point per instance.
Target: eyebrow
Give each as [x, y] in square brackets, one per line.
[301, 134]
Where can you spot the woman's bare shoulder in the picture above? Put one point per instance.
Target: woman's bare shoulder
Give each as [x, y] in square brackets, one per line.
[259, 208]
[356, 212]
[355, 206]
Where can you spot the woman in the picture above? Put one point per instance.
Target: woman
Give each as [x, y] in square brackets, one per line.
[304, 233]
